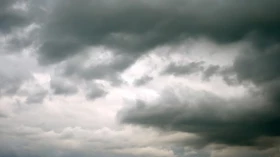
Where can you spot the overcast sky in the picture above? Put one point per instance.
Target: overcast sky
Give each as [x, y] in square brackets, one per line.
[139, 78]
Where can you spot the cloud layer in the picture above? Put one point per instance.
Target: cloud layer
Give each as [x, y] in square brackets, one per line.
[161, 78]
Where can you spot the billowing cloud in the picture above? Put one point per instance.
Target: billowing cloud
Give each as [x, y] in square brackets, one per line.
[122, 78]
[136, 26]
[258, 66]
[233, 122]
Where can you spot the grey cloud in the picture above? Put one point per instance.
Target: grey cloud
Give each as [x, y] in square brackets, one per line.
[2, 114]
[136, 26]
[37, 96]
[10, 85]
[143, 80]
[210, 71]
[12, 76]
[108, 71]
[258, 66]
[8, 153]
[95, 92]
[194, 67]
[16, 26]
[244, 152]
[190, 68]
[19, 39]
[11, 18]
[58, 50]
[62, 87]
[41, 143]
[132, 28]
[17, 44]
[229, 76]
[180, 151]
[231, 122]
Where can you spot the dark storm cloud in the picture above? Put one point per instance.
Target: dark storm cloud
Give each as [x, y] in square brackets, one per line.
[231, 122]
[58, 50]
[258, 66]
[237, 122]
[133, 27]
[11, 18]
[190, 68]
[62, 87]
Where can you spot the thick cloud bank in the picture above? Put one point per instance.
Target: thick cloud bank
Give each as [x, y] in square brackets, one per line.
[134, 78]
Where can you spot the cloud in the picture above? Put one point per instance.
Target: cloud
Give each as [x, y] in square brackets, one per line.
[147, 151]
[239, 121]
[37, 97]
[136, 26]
[95, 91]
[244, 152]
[30, 92]
[187, 69]
[258, 66]
[12, 75]
[11, 17]
[210, 71]
[87, 69]
[143, 80]
[204, 80]
[261, 69]
[102, 142]
[58, 50]
[62, 87]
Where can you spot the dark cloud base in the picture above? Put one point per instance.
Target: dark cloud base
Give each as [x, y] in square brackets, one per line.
[212, 119]
[136, 26]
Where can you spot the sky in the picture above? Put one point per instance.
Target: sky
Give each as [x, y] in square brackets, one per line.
[139, 78]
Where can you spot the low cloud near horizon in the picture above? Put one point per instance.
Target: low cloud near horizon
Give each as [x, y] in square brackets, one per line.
[153, 78]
